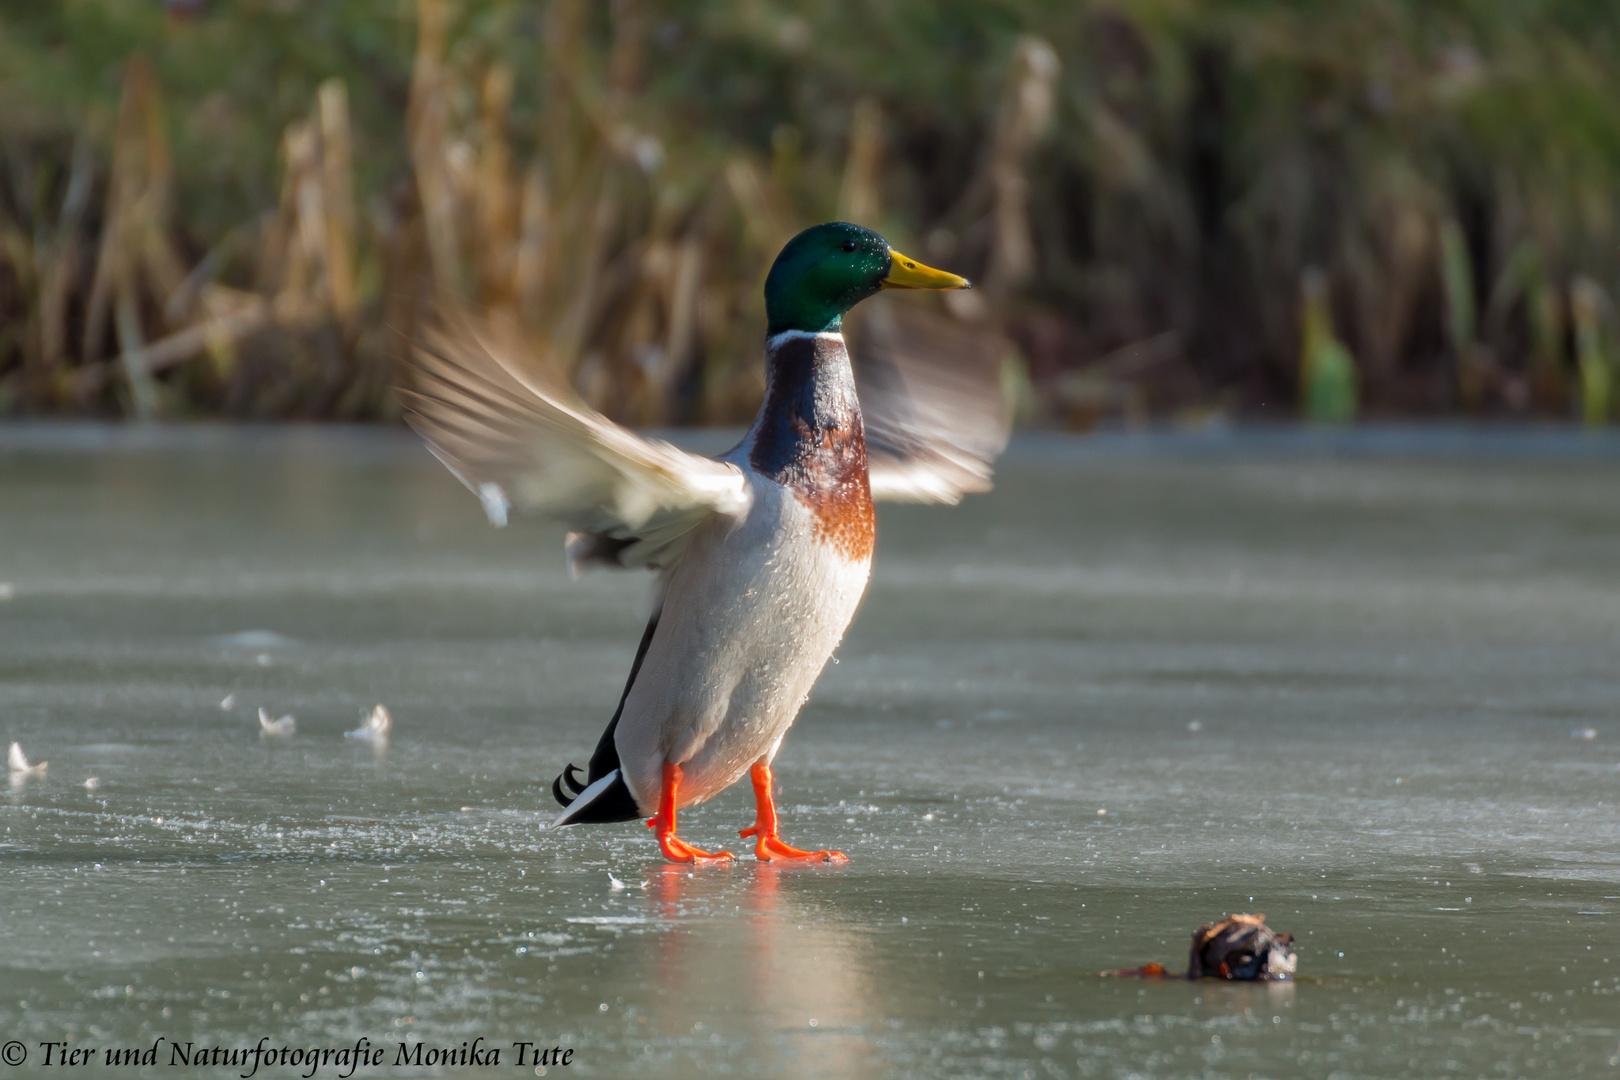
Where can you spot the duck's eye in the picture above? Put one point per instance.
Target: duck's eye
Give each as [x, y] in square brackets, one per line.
[849, 245]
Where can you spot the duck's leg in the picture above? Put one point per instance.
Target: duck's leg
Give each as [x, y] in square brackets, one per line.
[768, 845]
[676, 849]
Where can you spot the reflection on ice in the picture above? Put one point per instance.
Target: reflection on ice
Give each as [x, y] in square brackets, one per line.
[257, 640]
[742, 935]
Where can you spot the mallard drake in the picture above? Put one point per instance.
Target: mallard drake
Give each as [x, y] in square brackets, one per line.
[763, 554]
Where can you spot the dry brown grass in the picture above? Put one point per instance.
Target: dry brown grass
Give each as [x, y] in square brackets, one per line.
[1165, 207]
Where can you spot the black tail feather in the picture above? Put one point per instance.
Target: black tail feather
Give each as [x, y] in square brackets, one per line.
[565, 789]
[613, 803]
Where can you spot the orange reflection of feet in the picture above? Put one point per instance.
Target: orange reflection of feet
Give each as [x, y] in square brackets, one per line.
[768, 846]
[676, 849]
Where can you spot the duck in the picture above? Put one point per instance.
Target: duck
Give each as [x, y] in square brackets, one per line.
[761, 554]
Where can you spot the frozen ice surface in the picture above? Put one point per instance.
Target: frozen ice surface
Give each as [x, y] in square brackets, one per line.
[1330, 681]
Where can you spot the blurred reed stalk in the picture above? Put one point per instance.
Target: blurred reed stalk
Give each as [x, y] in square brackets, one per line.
[1595, 349]
[1025, 114]
[140, 298]
[135, 255]
[1329, 386]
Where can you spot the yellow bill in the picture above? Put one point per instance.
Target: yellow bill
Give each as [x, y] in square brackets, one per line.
[907, 273]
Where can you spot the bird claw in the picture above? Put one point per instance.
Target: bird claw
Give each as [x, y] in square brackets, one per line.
[772, 849]
[678, 850]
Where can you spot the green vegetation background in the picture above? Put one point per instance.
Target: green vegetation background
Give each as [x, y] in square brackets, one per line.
[1252, 207]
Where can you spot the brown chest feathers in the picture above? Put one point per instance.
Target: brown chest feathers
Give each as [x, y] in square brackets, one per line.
[809, 438]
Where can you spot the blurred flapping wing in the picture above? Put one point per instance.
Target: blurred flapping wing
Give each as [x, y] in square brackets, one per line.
[931, 394]
[631, 502]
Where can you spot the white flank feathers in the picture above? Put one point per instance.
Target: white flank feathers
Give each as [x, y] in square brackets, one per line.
[751, 615]
[375, 727]
[19, 763]
[276, 729]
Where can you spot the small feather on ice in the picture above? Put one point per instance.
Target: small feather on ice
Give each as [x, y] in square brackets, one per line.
[276, 729]
[19, 763]
[375, 727]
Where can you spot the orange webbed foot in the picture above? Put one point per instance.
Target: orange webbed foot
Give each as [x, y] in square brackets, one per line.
[768, 846]
[771, 848]
[678, 850]
[675, 849]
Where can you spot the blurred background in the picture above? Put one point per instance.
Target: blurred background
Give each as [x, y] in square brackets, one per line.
[1178, 212]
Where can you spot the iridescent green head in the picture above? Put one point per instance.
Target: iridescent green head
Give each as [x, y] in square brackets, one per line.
[828, 269]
